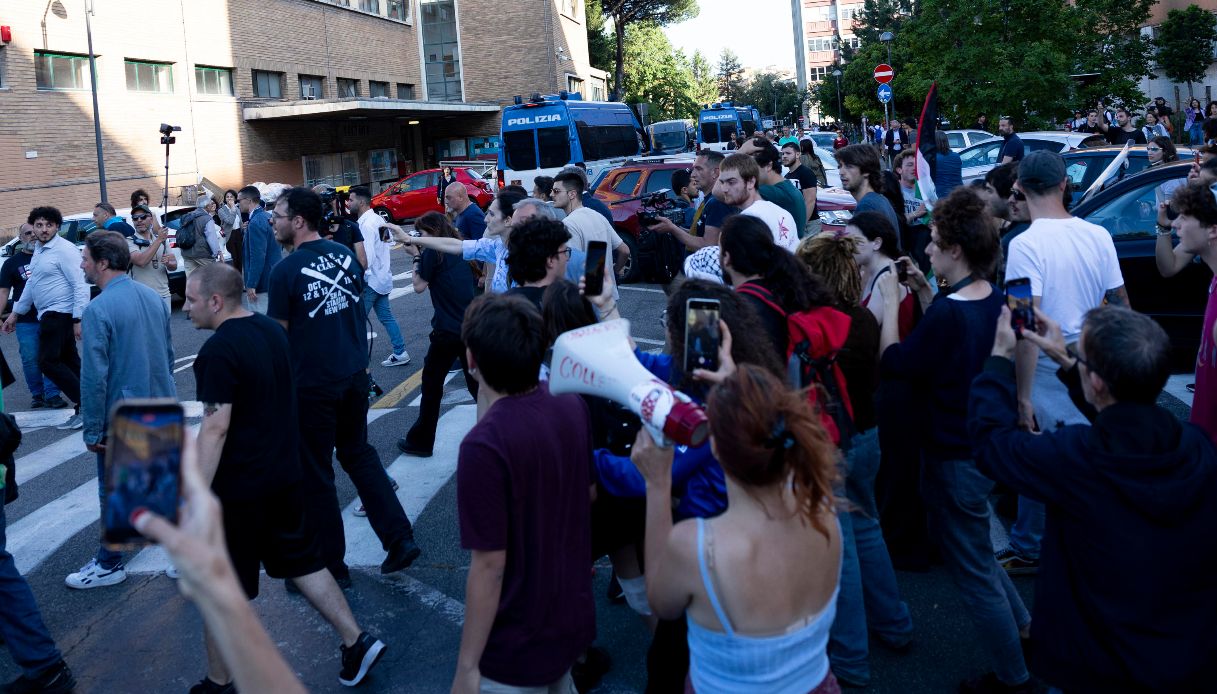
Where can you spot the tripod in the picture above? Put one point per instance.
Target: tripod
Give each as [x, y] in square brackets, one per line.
[167, 139]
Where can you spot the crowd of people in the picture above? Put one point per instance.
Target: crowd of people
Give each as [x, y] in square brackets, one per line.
[871, 392]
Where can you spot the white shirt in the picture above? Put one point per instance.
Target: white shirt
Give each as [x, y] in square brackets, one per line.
[56, 281]
[378, 276]
[584, 225]
[1071, 264]
[785, 231]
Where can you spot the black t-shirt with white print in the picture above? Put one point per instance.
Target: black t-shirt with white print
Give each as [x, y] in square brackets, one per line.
[317, 290]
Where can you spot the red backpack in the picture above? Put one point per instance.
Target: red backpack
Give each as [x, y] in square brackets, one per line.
[816, 336]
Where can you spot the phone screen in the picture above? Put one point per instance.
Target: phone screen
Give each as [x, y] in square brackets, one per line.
[143, 467]
[1018, 298]
[593, 269]
[701, 334]
[902, 270]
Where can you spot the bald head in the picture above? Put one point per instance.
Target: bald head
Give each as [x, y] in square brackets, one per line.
[213, 295]
[26, 234]
[456, 197]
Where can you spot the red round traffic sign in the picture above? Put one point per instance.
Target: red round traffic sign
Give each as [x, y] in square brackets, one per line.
[884, 73]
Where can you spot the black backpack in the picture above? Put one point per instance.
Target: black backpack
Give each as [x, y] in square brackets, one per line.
[190, 231]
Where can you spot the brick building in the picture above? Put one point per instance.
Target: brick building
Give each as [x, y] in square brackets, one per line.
[291, 91]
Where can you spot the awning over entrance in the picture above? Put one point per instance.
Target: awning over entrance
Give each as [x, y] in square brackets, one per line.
[335, 109]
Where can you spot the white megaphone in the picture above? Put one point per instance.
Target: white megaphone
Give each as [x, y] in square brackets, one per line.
[597, 360]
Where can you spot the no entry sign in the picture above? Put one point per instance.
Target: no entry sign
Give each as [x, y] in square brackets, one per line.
[884, 73]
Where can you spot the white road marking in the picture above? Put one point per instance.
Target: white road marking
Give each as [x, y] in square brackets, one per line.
[418, 400]
[48, 457]
[408, 274]
[641, 289]
[178, 361]
[1175, 385]
[38, 419]
[400, 291]
[646, 341]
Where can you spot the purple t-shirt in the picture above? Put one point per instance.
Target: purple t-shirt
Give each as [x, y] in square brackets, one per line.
[1204, 404]
[526, 490]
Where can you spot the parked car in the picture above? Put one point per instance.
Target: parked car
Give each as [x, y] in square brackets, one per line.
[417, 194]
[980, 158]
[961, 139]
[621, 189]
[1128, 209]
[822, 140]
[1084, 166]
[831, 171]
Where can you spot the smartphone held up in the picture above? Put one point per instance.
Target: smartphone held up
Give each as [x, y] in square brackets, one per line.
[702, 335]
[1022, 308]
[143, 467]
[593, 271]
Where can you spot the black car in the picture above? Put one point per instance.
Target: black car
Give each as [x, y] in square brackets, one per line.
[1084, 166]
[1128, 210]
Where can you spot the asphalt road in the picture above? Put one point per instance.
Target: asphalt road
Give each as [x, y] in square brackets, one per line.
[142, 636]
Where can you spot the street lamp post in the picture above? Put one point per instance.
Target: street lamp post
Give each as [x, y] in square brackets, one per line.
[101, 163]
[837, 73]
[887, 37]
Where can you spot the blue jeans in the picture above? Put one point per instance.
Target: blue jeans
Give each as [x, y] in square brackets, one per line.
[108, 559]
[380, 303]
[869, 595]
[21, 624]
[27, 342]
[1195, 134]
[957, 503]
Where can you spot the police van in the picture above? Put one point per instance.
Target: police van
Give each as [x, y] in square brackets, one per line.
[540, 136]
[672, 137]
[717, 122]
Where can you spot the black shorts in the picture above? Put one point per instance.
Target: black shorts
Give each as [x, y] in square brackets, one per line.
[274, 532]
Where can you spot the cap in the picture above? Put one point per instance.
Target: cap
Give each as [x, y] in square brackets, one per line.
[1041, 170]
[145, 208]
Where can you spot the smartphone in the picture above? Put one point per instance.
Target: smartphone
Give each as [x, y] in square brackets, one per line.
[593, 269]
[1018, 298]
[702, 336]
[385, 234]
[902, 270]
[143, 467]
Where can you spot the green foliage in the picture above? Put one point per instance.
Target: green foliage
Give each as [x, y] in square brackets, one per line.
[672, 83]
[600, 43]
[730, 74]
[1185, 44]
[773, 95]
[624, 13]
[705, 83]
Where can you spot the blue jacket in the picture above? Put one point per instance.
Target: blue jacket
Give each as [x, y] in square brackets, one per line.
[948, 174]
[126, 351]
[697, 478]
[1126, 597]
[261, 252]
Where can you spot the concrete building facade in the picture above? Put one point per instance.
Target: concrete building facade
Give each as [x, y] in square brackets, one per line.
[290, 91]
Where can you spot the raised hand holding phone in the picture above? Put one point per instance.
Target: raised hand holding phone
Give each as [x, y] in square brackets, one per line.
[143, 467]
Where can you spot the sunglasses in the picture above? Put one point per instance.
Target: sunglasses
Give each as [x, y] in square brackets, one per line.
[140, 217]
[1153, 149]
[1018, 195]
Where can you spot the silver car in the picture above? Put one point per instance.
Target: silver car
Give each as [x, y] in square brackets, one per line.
[979, 159]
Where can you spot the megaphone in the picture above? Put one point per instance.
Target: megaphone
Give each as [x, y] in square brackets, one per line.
[597, 360]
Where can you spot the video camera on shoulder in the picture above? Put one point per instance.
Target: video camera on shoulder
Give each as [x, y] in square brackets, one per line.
[660, 204]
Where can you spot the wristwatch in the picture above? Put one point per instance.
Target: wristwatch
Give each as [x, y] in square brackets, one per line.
[1163, 231]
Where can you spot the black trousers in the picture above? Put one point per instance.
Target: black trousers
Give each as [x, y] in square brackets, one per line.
[897, 485]
[336, 417]
[445, 348]
[668, 657]
[57, 355]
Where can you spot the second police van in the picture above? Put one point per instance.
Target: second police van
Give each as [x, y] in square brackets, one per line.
[717, 122]
[540, 136]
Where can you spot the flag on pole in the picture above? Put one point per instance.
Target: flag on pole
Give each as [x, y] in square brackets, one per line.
[927, 148]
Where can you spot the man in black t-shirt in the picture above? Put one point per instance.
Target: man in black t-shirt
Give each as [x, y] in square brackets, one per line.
[804, 179]
[13, 276]
[1012, 148]
[252, 461]
[1124, 130]
[539, 253]
[1092, 123]
[315, 294]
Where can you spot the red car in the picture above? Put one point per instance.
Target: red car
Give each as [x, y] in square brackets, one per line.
[620, 189]
[416, 194]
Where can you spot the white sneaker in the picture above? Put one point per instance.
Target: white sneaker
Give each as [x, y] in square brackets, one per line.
[360, 511]
[74, 422]
[91, 575]
[397, 359]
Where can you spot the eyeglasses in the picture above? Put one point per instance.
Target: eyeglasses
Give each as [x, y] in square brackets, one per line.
[565, 251]
[1153, 149]
[1073, 353]
[140, 217]
[1018, 195]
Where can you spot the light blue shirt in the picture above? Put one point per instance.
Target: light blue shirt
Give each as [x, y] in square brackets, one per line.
[56, 281]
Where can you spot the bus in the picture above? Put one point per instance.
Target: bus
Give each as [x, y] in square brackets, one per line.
[717, 122]
[672, 137]
[545, 133]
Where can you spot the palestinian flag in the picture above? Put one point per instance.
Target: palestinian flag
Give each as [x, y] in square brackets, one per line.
[927, 148]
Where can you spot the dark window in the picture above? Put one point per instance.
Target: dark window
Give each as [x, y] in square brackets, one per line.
[149, 77]
[519, 150]
[312, 87]
[625, 185]
[748, 127]
[554, 145]
[376, 89]
[405, 91]
[606, 141]
[659, 179]
[1036, 145]
[213, 80]
[60, 71]
[268, 85]
[347, 88]
[709, 132]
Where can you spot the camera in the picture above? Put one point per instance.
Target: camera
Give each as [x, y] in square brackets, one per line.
[659, 204]
[166, 129]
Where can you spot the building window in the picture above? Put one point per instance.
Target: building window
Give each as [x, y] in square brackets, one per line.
[383, 164]
[405, 91]
[143, 76]
[372, 6]
[340, 169]
[574, 85]
[441, 55]
[347, 88]
[570, 8]
[397, 9]
[312, 87]
[213, 80]
[597, 92]
[60, 70]
[378, 89]
[268, 85]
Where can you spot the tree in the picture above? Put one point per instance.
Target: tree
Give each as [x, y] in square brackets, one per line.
[730, 75]
[600, 47]
[705, 84]
[623, 13]
[773, 95]
[1185, 44]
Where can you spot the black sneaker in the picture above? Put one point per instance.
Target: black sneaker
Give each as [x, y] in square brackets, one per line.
[57, 679]
[206, 686]
[37, 404]
[989, 684]
[359, 659]
[56, 403]
[410, 449]
[401, 556]
[1016, 564]
[588, 672]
